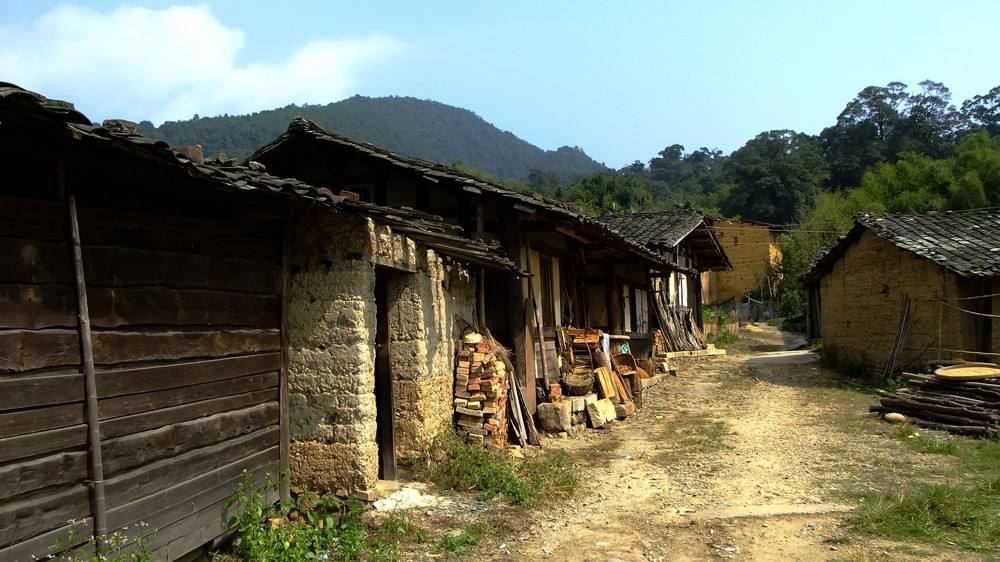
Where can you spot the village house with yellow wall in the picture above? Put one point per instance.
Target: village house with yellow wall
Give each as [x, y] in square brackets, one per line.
[752, 248]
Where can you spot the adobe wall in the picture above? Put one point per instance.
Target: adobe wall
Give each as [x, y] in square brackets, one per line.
[860, 305]
[751, 248]
[331, 358]
[428, 312]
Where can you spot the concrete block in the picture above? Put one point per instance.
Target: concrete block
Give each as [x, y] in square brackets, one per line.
[555, 417]
[589, 399]
[601, 412]
[577, 404]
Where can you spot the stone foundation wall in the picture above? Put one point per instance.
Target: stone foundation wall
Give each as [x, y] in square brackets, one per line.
[331, 358]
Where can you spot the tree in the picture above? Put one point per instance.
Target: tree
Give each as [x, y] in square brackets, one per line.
[983, 112]
[607, 192]
[773, 177]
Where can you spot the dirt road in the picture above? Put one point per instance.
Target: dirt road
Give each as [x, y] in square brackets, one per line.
[753, 456]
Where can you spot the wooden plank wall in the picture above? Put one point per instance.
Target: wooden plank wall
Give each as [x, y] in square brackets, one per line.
[186, 329]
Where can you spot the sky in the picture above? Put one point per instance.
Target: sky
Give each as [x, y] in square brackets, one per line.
[622, 80]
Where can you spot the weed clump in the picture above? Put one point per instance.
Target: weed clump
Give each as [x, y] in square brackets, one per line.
[453, 464]
[965, 515]
[311, 528]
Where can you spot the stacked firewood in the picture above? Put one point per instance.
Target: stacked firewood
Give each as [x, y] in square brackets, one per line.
[481, 385]
[964, 407]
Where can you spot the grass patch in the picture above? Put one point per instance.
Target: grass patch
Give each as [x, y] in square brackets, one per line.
[456, 465]
[459, 543]
[691, 435]
[722, 339]
[967, 515]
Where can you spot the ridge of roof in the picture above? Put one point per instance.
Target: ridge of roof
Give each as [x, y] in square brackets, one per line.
[61, 118]
[964, 242]
[300, 126]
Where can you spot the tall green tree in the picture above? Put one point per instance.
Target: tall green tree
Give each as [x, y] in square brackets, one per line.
[608, 193]
[773, 177]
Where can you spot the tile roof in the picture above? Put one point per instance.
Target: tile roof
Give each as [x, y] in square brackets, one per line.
[660, 230]
[663, 230]
[965, 242]
[301, 128]
[60, 118]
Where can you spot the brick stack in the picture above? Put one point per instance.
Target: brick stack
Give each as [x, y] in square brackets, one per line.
[481, 386]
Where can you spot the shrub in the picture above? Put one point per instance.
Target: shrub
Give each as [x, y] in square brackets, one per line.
[452, 463]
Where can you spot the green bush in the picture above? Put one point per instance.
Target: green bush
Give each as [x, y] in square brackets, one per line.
[454, 464]
[313, 528]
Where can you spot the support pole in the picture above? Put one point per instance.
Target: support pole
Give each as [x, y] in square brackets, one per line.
[284, 439]
[97, 499]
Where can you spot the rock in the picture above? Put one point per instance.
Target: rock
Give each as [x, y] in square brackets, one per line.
[601, 412]
[555, 417]
[893, 417]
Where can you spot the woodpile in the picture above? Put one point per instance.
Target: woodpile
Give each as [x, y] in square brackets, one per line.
[963, 407]
[481, 390]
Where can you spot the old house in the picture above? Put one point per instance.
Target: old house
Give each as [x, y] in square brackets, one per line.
[753, 251]
[580, 273]
[936, 271]
[152, 306]
[687, 241]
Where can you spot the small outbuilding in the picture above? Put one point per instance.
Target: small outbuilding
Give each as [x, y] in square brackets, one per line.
[924, 285]
[685, 239]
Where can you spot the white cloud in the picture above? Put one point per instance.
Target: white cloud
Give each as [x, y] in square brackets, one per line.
[139, 63]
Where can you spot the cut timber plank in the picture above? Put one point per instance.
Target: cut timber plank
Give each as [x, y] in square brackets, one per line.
[34, 474]
[52, 306]
[171, 440]
[42, 442]
[40, 419]
[23, 350]
[147, 379]
[36, 514]
[162, 474]
[605, 382]
[190, 395]
[135, 423]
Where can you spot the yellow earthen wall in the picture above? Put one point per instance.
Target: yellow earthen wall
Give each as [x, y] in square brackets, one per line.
[751, 249]
[860, 305]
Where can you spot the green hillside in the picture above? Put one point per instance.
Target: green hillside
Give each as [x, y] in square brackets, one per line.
[408, 126]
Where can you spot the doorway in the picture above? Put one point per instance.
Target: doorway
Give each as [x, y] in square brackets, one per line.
[384, 430]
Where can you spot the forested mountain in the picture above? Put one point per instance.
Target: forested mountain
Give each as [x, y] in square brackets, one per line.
[408, 126]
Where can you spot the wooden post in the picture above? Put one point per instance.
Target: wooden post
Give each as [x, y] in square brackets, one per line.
[284, 439]
[97, 499]
[537, 314]
[481, 275]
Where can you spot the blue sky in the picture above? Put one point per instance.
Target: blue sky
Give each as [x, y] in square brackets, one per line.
[621, 80]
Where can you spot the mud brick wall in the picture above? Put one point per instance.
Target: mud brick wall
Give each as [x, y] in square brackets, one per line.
[860, 305]
[428, 311]
[332, 324]
[331, 361]
[751, 248]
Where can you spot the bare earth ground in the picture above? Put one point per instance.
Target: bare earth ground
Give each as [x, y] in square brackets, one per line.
[753, 456]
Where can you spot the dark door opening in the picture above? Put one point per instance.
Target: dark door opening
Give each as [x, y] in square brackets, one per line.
[384, 433]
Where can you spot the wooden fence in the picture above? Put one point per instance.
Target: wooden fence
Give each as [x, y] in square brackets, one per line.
[186, 327]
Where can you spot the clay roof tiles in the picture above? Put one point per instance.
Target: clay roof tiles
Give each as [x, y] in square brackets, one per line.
[301, 128]
[61, 118]
[965, 242]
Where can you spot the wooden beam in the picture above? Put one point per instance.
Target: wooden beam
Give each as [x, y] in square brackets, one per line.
[90, 385]
[284, 438]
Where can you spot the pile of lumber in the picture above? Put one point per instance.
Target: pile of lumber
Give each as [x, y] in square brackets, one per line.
[481, 387]
[679, 327]
[963, 407]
